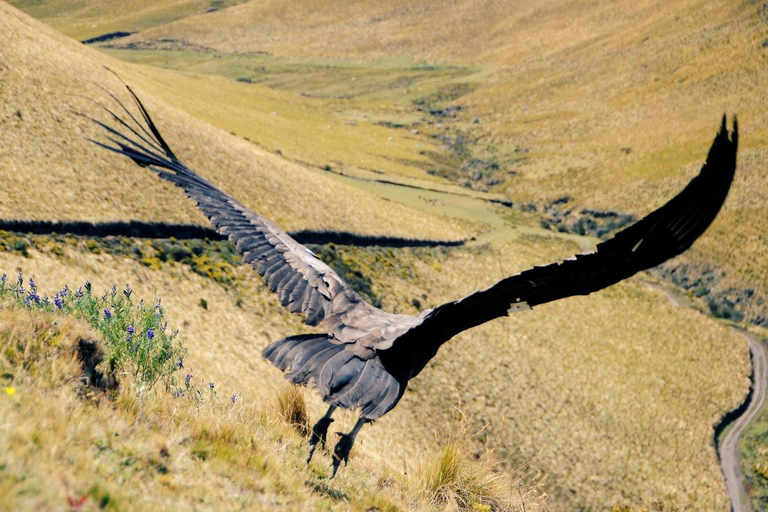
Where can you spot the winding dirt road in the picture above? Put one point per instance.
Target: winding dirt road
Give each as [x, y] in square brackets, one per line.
[729, 450]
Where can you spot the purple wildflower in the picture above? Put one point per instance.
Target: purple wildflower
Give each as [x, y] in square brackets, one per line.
[130, 329]
[32, 285]
[79, 292]
[211, 386]
[20, 281]
[27, 303]
[107, 314]
[187, 379]
[45, 300]
[180, 363]
[150, 334]
[58, 302]
[33, 296]
[3, 278]
[234, 398]
[64, 291]
[127, 292]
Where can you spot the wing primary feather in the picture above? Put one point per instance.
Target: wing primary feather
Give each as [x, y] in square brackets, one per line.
[303, 282]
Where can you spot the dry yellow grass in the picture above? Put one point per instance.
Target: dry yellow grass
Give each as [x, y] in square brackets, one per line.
[49, 171]
[602, 391]
[156, 451]
[614, 396]
[615, 103]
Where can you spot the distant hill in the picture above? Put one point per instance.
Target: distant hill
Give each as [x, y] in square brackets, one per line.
[613, 396]
[51, 172]
[613, 105]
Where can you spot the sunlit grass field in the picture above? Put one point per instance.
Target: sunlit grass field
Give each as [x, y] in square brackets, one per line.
[44, 148]
[612, 396]
[610, 417]
[614, 106]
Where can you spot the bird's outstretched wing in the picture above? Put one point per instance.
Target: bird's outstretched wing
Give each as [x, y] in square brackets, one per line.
[303, 282]
[656, 238]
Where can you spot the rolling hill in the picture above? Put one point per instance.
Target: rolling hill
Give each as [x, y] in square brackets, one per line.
[614, 396]
[612, 105]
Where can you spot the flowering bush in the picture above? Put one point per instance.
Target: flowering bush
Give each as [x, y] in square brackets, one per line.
[136, 338]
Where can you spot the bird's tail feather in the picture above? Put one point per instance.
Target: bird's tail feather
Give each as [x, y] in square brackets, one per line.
[342, 378]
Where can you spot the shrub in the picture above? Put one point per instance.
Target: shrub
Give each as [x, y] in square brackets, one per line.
[136, 338]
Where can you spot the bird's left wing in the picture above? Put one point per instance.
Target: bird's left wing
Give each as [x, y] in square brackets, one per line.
[662, 234]
[303, 282]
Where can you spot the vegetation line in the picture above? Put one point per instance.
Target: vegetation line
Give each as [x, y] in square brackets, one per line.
[137, 229]
[107, 37]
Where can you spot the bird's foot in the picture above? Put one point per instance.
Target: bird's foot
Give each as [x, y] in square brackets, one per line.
[318, 435]
[341, 451]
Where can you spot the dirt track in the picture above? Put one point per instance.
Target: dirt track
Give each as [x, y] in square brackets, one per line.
[729, 451]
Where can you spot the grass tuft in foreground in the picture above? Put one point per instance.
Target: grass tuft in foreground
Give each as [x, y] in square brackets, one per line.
[452, 479]
[290, 406]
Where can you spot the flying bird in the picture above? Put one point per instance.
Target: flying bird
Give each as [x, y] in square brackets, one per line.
[365, 357]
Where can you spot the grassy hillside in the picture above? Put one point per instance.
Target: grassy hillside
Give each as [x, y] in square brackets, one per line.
[84, 20]
[610, 418]
[613, 396]
[94, 438]
[49, 84]
[613, 106]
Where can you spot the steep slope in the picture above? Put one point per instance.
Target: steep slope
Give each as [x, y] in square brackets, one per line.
[613, 396]
[49, 83]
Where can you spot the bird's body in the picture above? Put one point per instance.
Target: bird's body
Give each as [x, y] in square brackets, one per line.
[366, 356]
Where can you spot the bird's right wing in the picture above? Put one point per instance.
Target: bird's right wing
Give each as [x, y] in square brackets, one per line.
[303, 282]
[659, 236]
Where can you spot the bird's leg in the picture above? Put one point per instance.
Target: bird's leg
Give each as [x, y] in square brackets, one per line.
[320, 431]
[344, 446]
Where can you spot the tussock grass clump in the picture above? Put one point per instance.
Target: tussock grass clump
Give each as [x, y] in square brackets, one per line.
[289, 405]
[53, 351]
[451, 478]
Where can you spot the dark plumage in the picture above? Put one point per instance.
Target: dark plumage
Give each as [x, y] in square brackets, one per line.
[367, 356]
